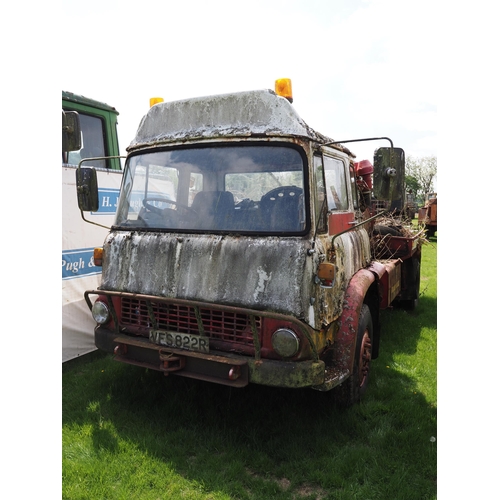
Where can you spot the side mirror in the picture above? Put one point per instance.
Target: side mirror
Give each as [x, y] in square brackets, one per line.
[71, 131]
[87, 189]
[388, 176]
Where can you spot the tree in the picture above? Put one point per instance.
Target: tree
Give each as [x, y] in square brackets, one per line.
[412, 183]
[420, 174]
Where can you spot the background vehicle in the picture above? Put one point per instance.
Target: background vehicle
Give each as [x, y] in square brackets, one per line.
[244, 248]
[411, 205]
[427, 215]
[97, 134]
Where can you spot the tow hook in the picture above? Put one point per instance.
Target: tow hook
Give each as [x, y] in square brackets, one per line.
[170, 363]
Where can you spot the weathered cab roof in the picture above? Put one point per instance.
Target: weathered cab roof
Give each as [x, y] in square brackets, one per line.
[242, 114]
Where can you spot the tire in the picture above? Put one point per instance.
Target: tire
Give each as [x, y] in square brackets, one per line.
[410, 303]
[350, 391]
[384, 230]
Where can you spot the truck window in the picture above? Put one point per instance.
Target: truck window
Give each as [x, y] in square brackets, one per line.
[354, 190]
[336, 186]
[251, 188]
[92, 142]
[195, 185]
[321, 203]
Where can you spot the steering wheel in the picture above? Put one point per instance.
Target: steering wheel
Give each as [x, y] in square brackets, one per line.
[160, 211]
[280, 192]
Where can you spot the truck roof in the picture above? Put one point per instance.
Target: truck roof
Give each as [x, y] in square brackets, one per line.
[69, 96]
[242, 114]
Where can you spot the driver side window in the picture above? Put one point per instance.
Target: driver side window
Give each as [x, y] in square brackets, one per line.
[321, 203]
[336, 184]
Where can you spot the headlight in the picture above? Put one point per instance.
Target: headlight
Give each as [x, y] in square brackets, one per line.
[285, 342]
[100, 312]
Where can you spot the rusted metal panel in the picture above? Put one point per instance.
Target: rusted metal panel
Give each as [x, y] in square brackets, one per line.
[433, 213]
[271, 273]
[287, 374]
[427, 215]
[377, 268]
[390, 282]
[401, 247]
[422, 215]
[227, 369]
[351, 252]
[345, 340]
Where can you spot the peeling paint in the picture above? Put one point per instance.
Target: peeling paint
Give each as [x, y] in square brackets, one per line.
[263, 279]
[273, 275]
[312, 321]
[352, 252]
[241, 114]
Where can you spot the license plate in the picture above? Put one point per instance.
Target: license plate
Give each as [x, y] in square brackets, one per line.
[180, 340]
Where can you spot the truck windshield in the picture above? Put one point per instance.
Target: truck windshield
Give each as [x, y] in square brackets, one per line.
[250, 188]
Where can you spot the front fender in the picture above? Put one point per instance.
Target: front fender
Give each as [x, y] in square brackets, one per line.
[344, 346]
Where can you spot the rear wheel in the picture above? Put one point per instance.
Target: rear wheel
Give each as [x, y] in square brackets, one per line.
[386, 230]
[411, 270]
[350, 391]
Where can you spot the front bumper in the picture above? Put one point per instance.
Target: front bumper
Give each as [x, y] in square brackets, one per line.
[221, 368]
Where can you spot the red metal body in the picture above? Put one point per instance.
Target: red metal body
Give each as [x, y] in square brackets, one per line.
[345, 340]
[340, 222]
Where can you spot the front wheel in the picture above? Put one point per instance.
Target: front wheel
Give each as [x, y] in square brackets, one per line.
[350, 391]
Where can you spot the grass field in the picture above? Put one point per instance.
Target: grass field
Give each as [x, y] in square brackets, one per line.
[129, 433]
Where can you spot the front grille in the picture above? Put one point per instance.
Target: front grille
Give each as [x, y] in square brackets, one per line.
[217, 324]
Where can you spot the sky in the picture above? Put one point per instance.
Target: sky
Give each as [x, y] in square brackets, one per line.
[357, 71]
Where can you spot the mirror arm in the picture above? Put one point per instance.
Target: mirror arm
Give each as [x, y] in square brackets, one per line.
[79, 177]
[373, 217]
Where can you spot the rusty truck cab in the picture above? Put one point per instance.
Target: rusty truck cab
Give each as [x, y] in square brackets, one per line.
[236, 256]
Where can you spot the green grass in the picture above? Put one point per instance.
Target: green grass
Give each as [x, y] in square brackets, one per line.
[132, 433]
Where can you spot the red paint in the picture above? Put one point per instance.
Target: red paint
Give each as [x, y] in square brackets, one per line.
[364, 169]
[338, 222]
[345, 341]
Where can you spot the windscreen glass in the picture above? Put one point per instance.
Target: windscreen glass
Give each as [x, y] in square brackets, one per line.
[252, 188]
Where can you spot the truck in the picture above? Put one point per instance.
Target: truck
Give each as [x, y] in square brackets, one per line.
[411, 206]
[427, 215]
[89, 130]
[241, 250]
